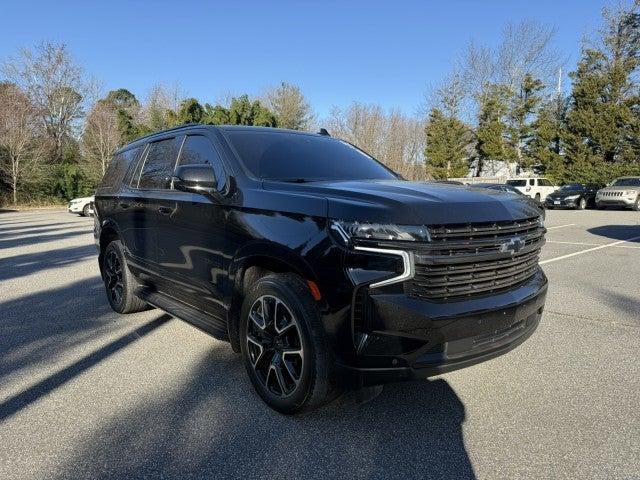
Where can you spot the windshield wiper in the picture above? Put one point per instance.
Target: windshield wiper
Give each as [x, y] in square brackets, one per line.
[287, 180]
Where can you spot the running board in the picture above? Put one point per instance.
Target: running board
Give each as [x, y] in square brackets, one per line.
[199, 319]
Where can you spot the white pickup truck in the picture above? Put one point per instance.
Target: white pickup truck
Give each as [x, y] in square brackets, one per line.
[535, 187]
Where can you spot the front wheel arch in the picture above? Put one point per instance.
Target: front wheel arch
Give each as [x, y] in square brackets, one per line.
[247, 271]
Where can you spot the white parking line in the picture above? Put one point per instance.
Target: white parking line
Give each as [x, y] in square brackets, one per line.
[575, 243]
[613, 244]
[561, 226]
[591, 244]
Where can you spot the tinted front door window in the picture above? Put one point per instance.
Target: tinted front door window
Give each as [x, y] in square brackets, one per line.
[198, 150]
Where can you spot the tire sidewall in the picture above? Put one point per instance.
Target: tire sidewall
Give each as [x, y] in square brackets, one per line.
[85, 210]
[582, 203]
[272, 286]
[116, 246]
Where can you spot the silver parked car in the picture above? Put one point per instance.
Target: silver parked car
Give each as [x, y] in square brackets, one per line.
[623, 192]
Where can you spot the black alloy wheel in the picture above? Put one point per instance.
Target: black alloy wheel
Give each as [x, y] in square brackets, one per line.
[274, 345]
[114, 277]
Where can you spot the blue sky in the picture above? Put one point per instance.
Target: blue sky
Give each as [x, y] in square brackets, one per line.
[337, 52]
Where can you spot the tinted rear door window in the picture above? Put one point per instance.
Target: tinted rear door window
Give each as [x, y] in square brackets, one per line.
[158, 166]
[118, 167]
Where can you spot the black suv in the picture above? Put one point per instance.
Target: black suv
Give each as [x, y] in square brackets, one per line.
[324, 268]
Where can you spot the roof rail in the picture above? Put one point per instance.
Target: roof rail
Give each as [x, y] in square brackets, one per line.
[178, 127]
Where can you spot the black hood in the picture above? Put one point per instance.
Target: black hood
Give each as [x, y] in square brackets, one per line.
[564, 193]
[414, 203]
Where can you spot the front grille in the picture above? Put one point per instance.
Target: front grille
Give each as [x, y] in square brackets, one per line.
[611, 194]
[476, 259]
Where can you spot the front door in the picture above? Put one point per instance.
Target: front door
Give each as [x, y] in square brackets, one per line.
[191, 234]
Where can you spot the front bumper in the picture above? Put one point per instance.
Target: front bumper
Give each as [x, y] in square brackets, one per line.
[560, 202]
[615, 201]
[412, 338]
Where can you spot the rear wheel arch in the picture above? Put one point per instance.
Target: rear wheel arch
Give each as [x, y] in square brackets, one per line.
[108, 233]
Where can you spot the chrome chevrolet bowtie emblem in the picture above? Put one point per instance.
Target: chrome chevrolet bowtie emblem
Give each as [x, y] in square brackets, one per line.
[513, 246]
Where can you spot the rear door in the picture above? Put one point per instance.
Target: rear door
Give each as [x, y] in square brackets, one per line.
[192, 232]
[148, 189]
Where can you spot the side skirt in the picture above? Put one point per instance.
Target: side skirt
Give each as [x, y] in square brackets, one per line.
[199, 319]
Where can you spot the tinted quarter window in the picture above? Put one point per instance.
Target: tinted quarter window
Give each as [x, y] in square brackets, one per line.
[198, 150]
[302, 157]
[158, 166]
[517, 183]
[118, 167]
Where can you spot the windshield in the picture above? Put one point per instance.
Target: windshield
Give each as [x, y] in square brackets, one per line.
[517, 183]
[627, 182]
[296, 157]
[571, 187]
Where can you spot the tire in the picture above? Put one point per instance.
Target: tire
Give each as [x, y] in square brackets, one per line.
[120, 285]
[582, 204]
[86, 210]
[280, 320]
[537, 197]
[636, 205]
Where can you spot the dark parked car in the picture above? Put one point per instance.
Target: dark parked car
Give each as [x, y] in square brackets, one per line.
[316, 262]
[573, 195]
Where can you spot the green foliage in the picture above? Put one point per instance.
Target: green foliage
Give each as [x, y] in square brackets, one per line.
[126, 105]
[243, 111]
[446, 151]
[217, 115]
[603, 122]
[522, 109]
[190, 111]
[491, 126]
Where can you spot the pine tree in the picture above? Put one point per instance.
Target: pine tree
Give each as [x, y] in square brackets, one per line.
[603, 123]
[546, 143]
[492, 129]
[520, 130]
[446, 150]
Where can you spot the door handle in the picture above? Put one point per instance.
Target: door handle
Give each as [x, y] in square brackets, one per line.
[165, 210]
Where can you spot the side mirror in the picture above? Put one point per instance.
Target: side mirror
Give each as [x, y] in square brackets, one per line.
[195, 178]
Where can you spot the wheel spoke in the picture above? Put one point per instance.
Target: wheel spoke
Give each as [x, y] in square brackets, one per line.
[260, 350]
[274, 345]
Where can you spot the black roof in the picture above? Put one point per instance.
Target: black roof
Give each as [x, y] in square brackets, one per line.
[229, 128]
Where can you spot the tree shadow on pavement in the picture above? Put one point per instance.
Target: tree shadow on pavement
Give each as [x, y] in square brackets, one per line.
[15, 403]
[217, 427]
[28, 263]
[617, 232]
[25, 241]
[36, 328]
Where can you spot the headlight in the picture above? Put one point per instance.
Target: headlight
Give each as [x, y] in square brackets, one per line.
[377, 231]
[541, 221]
[572, 197]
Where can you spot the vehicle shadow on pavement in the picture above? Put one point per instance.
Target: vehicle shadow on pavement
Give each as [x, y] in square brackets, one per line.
[217, 427]
[617, 232]
[625, 304]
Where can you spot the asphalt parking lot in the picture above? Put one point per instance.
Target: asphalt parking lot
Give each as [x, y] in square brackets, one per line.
[86, 393]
